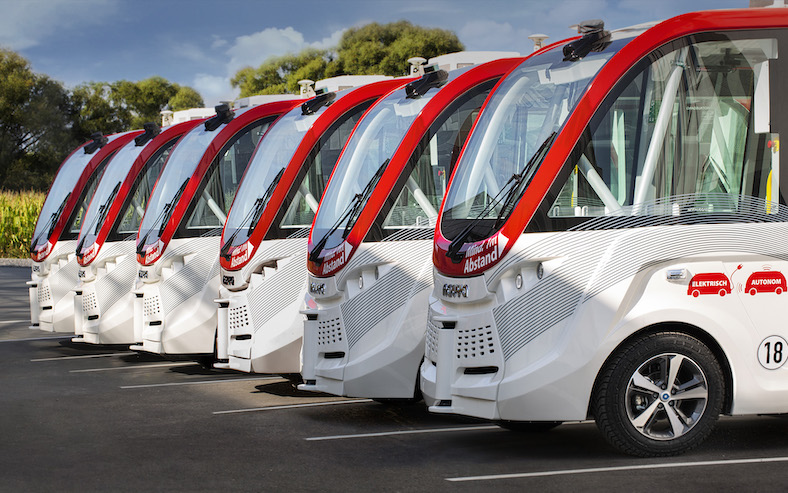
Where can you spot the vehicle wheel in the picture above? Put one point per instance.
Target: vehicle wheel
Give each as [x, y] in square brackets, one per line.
[659, 395]
[695, 293]
[753, 291]
[779, 291]
[529, 426]
[722, 292]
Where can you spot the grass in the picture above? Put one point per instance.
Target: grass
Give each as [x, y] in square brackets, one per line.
[18, 215]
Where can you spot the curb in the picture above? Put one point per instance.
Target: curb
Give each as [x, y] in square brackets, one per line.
[16, 262]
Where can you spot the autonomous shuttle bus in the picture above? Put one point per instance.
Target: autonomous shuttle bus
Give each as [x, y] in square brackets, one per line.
[596, 253]
[263, 252]
[178, 240]
[54, 241]
[103, 304]
[370, 243]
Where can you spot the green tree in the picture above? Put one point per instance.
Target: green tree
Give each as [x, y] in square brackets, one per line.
[34, 123]
[372, 49]
[385, 49]
[95, 108]
[280, 75]
[185, 98]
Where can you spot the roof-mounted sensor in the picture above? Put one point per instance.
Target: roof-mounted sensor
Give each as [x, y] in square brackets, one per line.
[223, 115]
[99, 141]
[595, 38]
[151, 131]
[433, 77]
[322, 98]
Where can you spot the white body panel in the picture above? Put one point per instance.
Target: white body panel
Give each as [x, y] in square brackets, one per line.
[366, 339]
[107, 299]
[263, 320]
[54, 281]
[178, 309]
[549, 339]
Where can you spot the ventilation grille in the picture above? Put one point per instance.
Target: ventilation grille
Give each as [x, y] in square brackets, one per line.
[329, 332]
[474, 343]
[151, 306]
[431, 345]
[239, 319]
[44, 295]
[89, 302]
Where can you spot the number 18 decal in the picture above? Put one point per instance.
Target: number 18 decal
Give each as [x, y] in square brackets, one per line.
[773, 352]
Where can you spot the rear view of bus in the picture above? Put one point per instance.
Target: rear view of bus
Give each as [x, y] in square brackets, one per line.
[263, 248]
[103, 304]
[369, 248]
[54, 241]
[594, 248]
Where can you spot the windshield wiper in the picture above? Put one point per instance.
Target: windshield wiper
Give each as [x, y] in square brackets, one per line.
[49, 226]
[253, 216]
[98, 220]
[163, 217]
[348, 216]
[514, 190]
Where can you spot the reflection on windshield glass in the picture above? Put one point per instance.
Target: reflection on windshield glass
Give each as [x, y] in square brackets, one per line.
[58, 195]
[107, 189]
[523, 114]
[268, 164]
[374, 142]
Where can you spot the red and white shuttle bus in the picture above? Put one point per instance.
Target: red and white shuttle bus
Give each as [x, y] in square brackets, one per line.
[178, 240]
[54, 240]
[370, 243]
[103, 304]
[604, 174]
[263, 248]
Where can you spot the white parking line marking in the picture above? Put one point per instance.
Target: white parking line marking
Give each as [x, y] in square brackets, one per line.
[37, 338]
[136, 367]
[84, 356]
[406, 432]
[621, 468]
[174, 384]
[13, 321]
[293, 406]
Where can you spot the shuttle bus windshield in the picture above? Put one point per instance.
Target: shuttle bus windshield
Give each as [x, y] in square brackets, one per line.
[363, 161]
[265, 170]
[513, 134]
[106, 193]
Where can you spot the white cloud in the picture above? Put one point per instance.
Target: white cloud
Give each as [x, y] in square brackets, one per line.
[188, 51]
[490, 35]
[214, 89]
[254, 49]
[24, 24]
[218, 42]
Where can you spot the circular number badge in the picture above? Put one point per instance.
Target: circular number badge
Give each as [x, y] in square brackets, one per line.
[772, 352]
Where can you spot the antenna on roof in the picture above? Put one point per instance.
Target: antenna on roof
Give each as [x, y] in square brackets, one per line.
[307, 88]
[538, 40]
[417, 65]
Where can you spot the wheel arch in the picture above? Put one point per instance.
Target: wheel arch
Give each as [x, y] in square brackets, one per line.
[682, 328]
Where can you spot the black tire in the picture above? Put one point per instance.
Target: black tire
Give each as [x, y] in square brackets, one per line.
[529, 426]
[670, 425]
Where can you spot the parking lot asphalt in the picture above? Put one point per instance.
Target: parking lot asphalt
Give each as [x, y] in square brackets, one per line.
[77, 417]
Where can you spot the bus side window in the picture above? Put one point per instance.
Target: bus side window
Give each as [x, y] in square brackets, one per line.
[680, 135]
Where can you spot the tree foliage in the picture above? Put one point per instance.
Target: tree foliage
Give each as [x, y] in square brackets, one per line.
[372, 49]
[279, 75]
[385, 48]
[34, 117]
[41, 122]
[185, 97]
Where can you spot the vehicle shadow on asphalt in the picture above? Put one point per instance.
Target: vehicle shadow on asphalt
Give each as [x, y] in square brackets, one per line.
[287, 389]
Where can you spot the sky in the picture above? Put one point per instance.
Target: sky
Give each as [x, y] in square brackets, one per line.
[202, 43]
